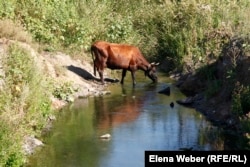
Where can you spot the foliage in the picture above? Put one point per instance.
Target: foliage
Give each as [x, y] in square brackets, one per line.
[64, 92]
[241, 107]
[176, 31]
[24, 104]
[207, 74]
[241, 100]
[14, 31]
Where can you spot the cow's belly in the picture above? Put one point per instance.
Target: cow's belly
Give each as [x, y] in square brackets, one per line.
[118, 65]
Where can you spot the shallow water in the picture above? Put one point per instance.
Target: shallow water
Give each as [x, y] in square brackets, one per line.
[137, 119]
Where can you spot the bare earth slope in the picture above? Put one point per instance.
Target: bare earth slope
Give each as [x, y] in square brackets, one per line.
[63, 69]
[58, 68]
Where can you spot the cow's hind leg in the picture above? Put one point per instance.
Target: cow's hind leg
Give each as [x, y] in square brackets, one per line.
[100, 71]
[123, 75]
[101, 75]
[95, 66]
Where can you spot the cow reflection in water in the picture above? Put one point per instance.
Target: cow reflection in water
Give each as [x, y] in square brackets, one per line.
[120, 109]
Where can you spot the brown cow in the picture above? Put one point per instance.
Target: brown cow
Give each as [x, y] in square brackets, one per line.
[121, 56]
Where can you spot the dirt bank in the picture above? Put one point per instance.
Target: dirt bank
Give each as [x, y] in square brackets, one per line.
[210, 89]
[58, 69]
[78, 72]
[63, 69]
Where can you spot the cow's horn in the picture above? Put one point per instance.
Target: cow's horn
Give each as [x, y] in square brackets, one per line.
[155, 64]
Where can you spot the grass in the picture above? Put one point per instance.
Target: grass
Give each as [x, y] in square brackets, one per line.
[177, 31]
[14, 31]
[24, 104]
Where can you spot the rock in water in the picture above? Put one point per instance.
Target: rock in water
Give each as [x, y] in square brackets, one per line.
[165, 91]
[172, 104]
[187, 101]
[30, 144]
[106, 136]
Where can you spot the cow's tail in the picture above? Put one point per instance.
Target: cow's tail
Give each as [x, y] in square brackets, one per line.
[92, 49]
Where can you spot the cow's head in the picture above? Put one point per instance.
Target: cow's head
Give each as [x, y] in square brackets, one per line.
[151, 71]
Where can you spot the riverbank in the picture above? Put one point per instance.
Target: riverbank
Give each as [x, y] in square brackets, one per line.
[209, 90]
[72, 78]
[220, 90]
[34, 86]
[77, 73]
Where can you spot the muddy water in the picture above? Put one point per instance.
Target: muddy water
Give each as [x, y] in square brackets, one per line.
[137, 119]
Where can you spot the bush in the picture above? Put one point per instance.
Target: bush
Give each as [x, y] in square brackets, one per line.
[241, 100]
[64, 92]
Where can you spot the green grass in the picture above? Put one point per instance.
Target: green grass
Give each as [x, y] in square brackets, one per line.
[178, 31]
[24, 104]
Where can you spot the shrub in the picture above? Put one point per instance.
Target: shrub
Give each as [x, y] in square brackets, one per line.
[64, 92]
[241, 100]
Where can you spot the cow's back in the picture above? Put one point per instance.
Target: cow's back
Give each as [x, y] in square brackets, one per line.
[121, 56]
[101, 46]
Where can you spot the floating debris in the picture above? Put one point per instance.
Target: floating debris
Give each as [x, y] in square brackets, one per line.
[187, 101]
[106, 136]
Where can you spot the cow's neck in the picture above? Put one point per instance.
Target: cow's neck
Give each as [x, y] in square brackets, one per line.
[144, 66]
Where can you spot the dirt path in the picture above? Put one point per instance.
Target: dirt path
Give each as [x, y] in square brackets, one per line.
[79, 73]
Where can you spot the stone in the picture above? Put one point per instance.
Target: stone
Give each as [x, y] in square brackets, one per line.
[165, 91]
[30, 144]
[105, 136]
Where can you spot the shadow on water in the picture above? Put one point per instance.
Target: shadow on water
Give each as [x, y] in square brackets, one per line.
[138, 119]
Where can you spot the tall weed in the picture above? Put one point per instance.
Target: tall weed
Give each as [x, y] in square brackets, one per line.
[24, 104]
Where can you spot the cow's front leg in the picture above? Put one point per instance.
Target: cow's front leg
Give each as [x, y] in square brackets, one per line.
[133, 77]
[123, 75]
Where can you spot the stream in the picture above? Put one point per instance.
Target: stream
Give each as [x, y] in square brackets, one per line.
[137, 119]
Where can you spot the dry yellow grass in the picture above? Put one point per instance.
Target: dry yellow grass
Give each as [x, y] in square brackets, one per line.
[14, 31]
